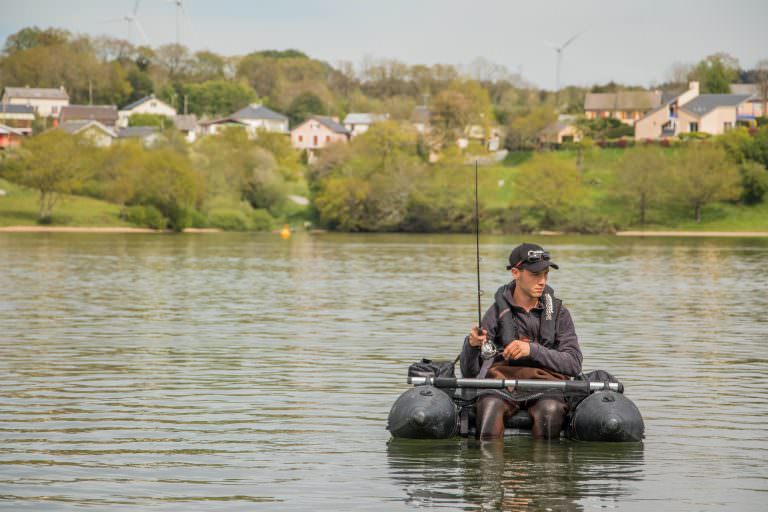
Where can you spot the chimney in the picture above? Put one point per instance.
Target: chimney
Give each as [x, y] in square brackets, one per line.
[694, 86]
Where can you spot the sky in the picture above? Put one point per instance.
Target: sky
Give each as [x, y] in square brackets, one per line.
[627, 41]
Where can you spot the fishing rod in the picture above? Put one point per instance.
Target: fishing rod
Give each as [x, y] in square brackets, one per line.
[477, 254]
[518, 385]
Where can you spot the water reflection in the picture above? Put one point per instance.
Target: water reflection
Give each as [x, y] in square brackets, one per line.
[517, 474]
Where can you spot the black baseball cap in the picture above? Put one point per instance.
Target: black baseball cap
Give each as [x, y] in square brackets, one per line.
[530, 257]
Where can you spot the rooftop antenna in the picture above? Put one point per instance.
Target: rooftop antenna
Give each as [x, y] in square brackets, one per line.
[559, 51]
[133, 19]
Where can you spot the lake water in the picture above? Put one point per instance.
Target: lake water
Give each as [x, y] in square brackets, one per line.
[242, 372]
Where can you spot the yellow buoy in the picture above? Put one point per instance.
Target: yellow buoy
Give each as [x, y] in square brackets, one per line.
[285, 233]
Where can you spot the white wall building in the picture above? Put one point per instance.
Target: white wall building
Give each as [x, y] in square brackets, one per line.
[146, 105]
[46, 102]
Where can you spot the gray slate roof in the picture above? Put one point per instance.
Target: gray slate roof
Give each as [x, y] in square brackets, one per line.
[185, 123]
[623, 100]
[364, 118]
[331, 124]
[137, 132]
[37, 93]
[106, 114]
[7, 108]
[74, 127]
[705, 103]
[138, 102]
[256, 111]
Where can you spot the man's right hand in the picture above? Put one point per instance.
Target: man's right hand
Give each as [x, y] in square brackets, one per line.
[477, 337]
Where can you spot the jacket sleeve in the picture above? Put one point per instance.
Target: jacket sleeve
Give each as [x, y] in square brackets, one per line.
[566, 357]
[470, 360]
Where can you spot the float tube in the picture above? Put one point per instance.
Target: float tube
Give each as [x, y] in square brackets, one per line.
[433, 407]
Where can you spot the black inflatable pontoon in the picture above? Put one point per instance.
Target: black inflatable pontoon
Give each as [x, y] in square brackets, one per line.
[432, 409]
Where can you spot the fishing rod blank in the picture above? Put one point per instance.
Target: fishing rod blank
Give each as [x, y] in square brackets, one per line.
[517, 385]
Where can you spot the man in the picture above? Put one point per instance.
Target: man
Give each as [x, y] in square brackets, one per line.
[535, 339]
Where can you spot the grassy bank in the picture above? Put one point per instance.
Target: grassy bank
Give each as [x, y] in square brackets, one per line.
[19, 207]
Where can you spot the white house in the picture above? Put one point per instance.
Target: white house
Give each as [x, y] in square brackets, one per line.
[317, 132]
[148, 135]
[693, 112]
[19, 117]
[258, 117]
[187, 124]
[46, 102]
[100, 135]
[357, 123]
[146, 105]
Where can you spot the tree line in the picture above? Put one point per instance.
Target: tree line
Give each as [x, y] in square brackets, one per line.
[106, 70]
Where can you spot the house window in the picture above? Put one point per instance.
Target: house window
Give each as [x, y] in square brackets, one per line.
[54, 109]
[727, 126]
[314, 140]
[301, 138]
[327, 138]
[693, 127]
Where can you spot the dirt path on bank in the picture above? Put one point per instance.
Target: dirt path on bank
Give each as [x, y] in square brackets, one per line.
[694, 233]
[74, 229]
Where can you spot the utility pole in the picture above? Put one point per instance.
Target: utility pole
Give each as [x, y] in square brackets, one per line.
[185, 104]
[90, 92]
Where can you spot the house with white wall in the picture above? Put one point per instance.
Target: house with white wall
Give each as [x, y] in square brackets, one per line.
[18, 117]
[693, 112]
[98, 134]
[258, 117]
[146, 105]
[317, 132]
[47, 102]
[358, 123]
[625, 106]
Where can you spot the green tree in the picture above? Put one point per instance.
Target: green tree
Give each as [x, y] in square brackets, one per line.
[370, 187]
[523, 127]
[31, 37]
[218, 97]
[640, 178]
[168, 182]
[51, 163]
[548, 189]
[305, 105]
[754, 182]
[716, 73]
[703, 174]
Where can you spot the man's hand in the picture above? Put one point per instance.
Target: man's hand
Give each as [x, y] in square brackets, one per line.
[517, 349]
[477, 337]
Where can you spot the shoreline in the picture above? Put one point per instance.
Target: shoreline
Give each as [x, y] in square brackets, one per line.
[126, 230]
[83, 229]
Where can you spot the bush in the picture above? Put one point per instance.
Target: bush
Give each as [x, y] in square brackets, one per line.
[754, 182]
[694, 136]
[145, 216]
[229, 219]
[197, 220]
[261, 220]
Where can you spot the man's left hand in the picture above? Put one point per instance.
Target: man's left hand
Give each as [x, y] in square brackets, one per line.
[517, 349]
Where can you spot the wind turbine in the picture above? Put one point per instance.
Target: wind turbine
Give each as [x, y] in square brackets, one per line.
[179, 10]
[559, 50]
[133, 19]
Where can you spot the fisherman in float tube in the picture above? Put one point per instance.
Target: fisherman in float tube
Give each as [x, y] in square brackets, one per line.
[526, 334]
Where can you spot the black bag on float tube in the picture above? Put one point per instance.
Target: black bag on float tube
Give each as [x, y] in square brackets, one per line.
[593, 376]
[430, 368]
